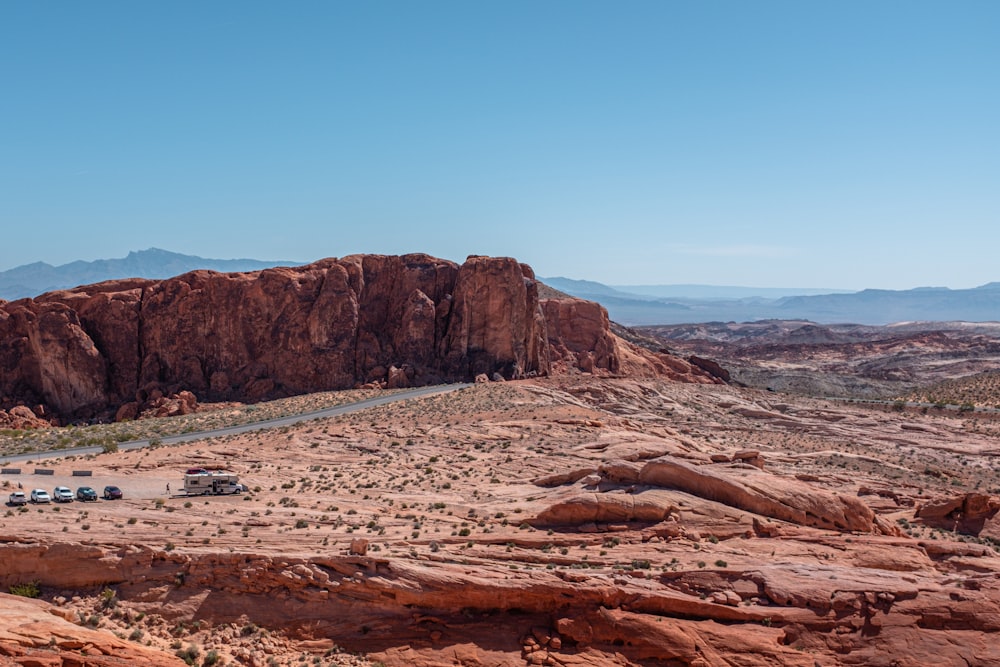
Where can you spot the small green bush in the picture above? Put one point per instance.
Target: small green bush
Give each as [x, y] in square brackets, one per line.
[28, 589]
[189, 654]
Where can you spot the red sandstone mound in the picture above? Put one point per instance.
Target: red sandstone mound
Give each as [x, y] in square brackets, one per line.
[120, 346]
[36, 634]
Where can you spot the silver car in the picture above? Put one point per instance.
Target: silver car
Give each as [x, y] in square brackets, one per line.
[62, 494]
[40, 496]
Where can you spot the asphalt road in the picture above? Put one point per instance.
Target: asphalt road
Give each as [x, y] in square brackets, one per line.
[909, 404]
[245, 428]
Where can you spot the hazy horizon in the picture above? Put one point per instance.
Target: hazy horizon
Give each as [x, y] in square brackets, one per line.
[651, 143]
[644, 289]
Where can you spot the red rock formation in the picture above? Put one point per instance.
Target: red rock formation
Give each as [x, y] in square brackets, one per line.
[580, 335]
[580, 338]
[117, 348]
[969, 513]
[649, 506]
[34, 633]
[761, 493]
[409, 612]
[250, 336]
[21, 417]
[747, 488]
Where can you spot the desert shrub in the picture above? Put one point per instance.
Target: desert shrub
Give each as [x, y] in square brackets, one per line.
[109, 599]
[28, 589]
[189, 654]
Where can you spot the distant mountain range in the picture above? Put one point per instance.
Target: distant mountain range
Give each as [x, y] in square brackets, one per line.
[626, 304]
[33, 279]
[682, 304]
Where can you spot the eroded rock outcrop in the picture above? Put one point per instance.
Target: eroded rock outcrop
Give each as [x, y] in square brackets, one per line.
[581, 339]
[34, 633]
[251, 336]
[21, 417]
[650, 506]
[134, 346]
[407, 612]
[745, 487]
[580, 335]
[969, 513]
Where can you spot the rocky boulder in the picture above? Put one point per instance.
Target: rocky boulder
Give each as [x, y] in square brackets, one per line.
[649, 506]
[21, 417]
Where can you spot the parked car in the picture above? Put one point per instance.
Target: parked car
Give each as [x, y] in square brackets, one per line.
[85, 493]
[17, 498]
[112, 493]
[40, 496]
[61, 494]
[196, 471]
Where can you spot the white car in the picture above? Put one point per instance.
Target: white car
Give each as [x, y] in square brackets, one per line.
[61, 494]
[40, 496]
[17, 498]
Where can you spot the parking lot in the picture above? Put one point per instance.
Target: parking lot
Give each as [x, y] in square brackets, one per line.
[133, 487]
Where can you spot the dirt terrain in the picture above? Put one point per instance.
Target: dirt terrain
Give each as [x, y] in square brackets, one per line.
[845, 360]
[564, 521]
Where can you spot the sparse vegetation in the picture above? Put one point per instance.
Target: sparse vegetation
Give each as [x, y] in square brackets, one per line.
[28, 589]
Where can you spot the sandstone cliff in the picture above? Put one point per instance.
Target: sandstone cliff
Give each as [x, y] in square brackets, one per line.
[401, 320]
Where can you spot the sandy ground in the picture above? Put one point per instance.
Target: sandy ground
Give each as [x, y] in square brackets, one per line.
[455, 475]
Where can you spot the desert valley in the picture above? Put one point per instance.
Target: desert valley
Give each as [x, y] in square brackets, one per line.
[578, 493]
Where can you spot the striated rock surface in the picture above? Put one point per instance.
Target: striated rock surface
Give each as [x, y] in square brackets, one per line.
[762, 493]
[649, 506]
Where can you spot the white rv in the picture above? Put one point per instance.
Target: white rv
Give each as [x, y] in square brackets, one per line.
[215, 483]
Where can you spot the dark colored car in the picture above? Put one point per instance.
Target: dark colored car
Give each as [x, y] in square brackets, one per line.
[86, 493]
[112, 493]
[196, 471]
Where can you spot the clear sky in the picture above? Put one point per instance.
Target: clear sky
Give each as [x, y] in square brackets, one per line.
[843, 144]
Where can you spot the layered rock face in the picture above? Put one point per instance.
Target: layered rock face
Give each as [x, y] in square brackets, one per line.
[284, 331]
[125, 347]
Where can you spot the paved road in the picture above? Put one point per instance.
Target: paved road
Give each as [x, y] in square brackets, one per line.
[245, 428]
[910, 404]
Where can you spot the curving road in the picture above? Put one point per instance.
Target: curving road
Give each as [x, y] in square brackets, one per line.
[245, 428]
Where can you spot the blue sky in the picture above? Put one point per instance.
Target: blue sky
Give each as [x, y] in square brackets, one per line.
[806, 144]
